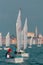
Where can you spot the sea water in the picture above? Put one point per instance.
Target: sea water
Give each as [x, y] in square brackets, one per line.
[35, 56]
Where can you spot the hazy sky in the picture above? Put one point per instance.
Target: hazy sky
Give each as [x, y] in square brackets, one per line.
[32, 9]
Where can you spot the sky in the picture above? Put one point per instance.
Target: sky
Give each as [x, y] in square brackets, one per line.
[32, 9]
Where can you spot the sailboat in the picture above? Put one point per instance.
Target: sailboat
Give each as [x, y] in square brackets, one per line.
[18, 33]
[18, 58]
[36, 36]
[36, 32]
[34, 42]
[0, 41]
[39, 40]
[39, 43]
[24, 34]
[31, 42]
[7, 41]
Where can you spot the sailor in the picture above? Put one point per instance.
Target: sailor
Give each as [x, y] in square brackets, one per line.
[8, 54]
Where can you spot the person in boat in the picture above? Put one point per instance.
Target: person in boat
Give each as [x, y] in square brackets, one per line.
[8, 54]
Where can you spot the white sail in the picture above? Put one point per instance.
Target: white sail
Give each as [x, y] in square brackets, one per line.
[34, 42]
[36, 31]
[7, 42]
[18, 31]
[0, 39]
[39, 43]
[36, 35]
[31, 42]
[25, 34]
[22, 39]
[39, 40]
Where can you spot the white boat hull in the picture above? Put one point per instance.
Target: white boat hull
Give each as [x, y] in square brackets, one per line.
[24, 54]
[6, 48]
[19, 60]
[15, 60]
[21, 51]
